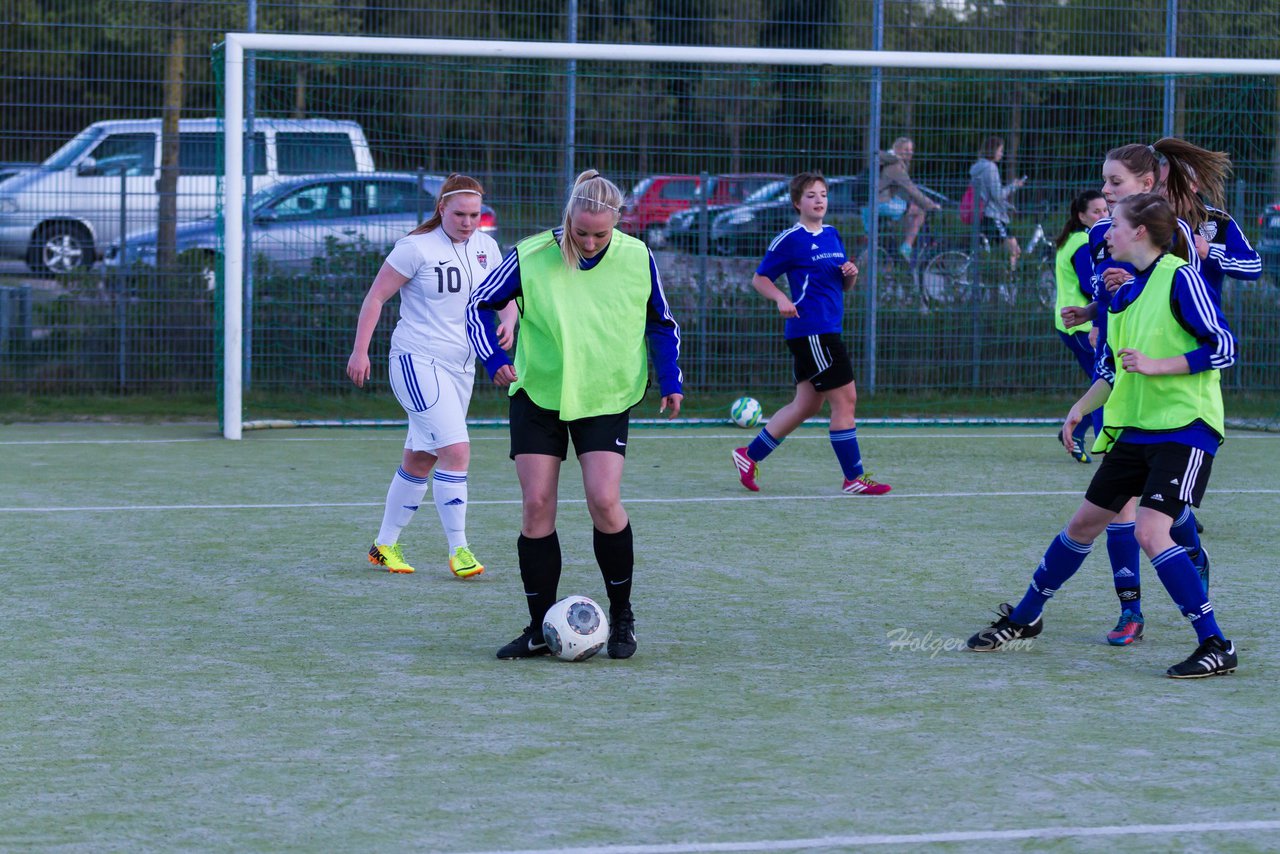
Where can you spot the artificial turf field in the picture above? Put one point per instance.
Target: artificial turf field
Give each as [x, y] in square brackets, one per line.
[195, 655]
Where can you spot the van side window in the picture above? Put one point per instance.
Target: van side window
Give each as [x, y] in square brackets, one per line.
[198, 153]
[305, 153]
[140, 147]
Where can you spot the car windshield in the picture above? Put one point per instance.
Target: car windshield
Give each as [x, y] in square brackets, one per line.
[261, 197]
[767, 193]
[71, 151]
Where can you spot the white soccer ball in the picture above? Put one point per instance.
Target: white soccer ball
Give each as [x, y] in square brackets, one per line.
[575, 628]
[746, 412]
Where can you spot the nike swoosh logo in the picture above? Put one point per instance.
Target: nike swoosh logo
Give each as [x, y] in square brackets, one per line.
[623, 581]
[620, 443]
[534, 647]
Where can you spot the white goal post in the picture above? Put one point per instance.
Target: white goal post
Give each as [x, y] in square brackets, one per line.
[237, 43]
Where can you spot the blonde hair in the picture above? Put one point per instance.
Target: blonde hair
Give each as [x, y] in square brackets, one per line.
[455, 183]
[591, 193]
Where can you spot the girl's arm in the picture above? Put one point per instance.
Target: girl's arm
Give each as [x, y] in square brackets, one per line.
[767, 289]
[384, 287]
[498, 289]
[1235, 256]
[663, 334]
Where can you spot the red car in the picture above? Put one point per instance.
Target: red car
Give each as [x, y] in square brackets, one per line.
[654, 200]
[657, 197]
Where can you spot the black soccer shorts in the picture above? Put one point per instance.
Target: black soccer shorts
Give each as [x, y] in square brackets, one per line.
[1168, 476]
[822, 360]
[535, 430]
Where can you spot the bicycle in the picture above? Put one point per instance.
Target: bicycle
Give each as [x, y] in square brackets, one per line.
[950, 276]
[906, 282]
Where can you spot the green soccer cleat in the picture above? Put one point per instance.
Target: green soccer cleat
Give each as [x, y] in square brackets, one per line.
[389, 557]
[463, 563]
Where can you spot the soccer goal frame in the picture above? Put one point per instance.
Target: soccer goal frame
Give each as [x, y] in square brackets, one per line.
[236, 44]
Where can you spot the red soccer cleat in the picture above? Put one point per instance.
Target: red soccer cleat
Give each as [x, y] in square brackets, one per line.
[748, 470]
[864, 485]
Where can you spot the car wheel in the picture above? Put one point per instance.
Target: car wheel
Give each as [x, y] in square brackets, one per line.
[724, 245]
[59, 248]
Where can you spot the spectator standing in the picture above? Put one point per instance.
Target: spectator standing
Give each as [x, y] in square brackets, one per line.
[991, 196]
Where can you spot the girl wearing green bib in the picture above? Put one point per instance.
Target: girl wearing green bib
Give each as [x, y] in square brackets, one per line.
[1163, 423]
[1073, 270]
[590, 300]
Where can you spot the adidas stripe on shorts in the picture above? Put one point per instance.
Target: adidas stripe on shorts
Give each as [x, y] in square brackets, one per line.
[1168, 476]
[434, 397]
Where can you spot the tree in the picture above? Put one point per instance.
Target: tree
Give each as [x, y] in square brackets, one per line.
[175, 75]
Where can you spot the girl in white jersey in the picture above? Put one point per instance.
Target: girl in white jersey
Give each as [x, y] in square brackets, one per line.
[434, 269]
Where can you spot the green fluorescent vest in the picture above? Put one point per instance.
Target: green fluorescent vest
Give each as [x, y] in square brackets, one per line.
[581, 350]
[1156, 403]
[1068, 283]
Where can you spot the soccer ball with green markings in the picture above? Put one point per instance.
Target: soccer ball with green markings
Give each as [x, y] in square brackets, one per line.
[746, 412]
[575, 628]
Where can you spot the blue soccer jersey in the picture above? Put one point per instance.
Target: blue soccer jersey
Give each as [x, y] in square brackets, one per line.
[811, 262]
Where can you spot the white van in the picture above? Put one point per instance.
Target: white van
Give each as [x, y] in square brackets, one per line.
[65, 212]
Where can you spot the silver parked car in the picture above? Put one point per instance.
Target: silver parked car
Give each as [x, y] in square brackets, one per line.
[294, 220]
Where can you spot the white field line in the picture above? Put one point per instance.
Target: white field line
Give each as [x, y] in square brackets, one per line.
[910, 838]
[709, 499]
[961, 435]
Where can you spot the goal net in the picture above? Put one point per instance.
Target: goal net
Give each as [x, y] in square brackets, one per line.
[703, 140]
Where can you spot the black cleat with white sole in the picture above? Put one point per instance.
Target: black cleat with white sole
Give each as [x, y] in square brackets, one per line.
[530, 644]
[1004, 630]
[1215, 657]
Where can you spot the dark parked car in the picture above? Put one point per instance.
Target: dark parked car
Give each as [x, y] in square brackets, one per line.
[725, 191]
[294, 220]
[749, 228]
[1268, 244]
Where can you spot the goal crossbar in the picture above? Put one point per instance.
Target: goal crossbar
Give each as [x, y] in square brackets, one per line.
[237, 43]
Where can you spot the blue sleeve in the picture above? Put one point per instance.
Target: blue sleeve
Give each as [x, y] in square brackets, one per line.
[663, 334]
[1199, 313]
[1235, 257]
[1105, 364]
[777, 258]
[498, 288]
[1082, 263]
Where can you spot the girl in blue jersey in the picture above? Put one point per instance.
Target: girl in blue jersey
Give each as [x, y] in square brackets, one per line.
[1220, 246]
[1073, 270]
[813, 259]
[1128, 170]
[590, 300]
[1159, 377]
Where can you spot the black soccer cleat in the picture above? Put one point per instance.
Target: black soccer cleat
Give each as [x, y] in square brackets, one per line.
[1214, 657]
[1004, 630]
[622, 634]
[530, 644]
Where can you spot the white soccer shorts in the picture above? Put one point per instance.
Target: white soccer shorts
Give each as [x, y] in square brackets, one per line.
[434, 397]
